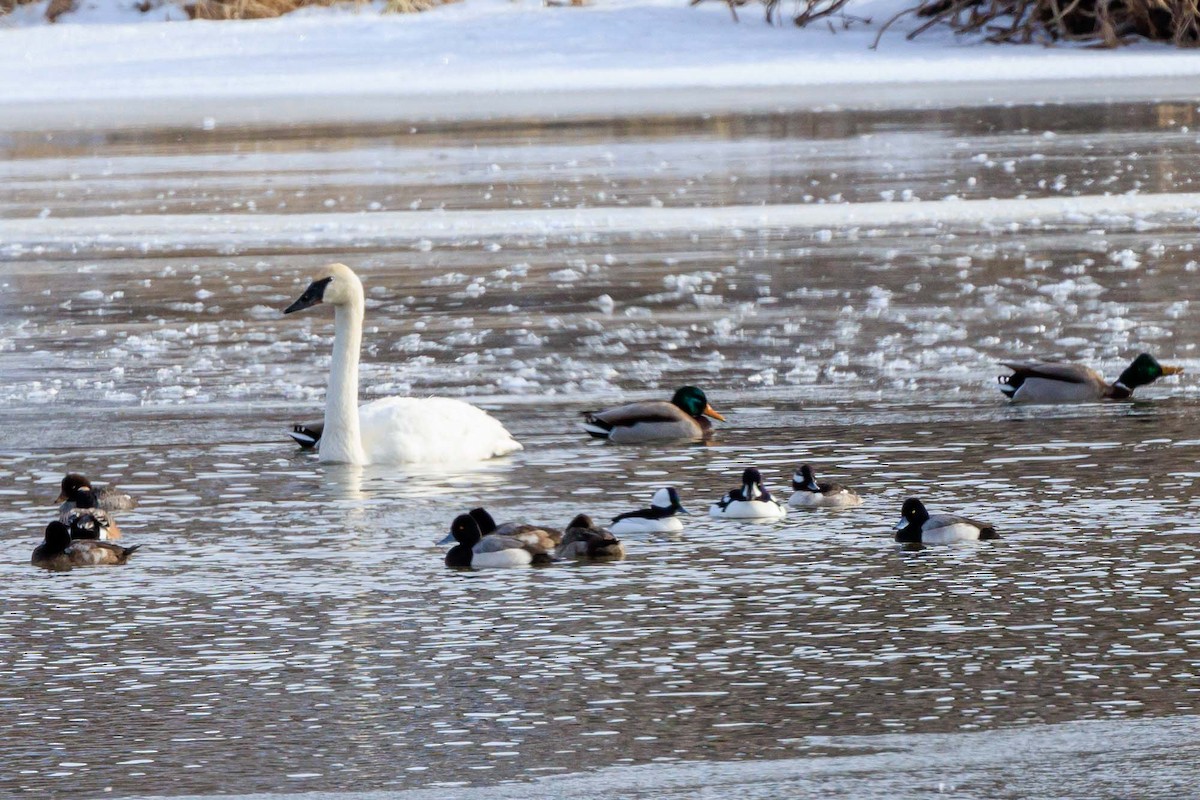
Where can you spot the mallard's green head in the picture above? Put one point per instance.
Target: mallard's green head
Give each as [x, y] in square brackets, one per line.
[1144, 370]
[692, 400]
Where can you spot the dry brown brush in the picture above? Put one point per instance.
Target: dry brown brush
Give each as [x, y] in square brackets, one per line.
[232, 9]
[1105, 23]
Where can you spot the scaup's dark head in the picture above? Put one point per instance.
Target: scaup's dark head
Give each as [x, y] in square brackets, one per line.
[913, 517]
[58, 538]
[465, 530]
[483, 519]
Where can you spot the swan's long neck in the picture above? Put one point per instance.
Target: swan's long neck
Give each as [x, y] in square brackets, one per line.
[341, 441]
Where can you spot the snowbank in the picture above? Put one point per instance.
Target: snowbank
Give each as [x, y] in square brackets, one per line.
[519, 58]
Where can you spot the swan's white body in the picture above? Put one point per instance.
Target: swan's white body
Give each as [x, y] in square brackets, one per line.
[393, 430]
[397, 430]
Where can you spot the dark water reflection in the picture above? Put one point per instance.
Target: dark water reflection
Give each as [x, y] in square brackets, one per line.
[289, 626]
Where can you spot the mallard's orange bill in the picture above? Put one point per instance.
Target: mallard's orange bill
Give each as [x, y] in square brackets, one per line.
[1172, 370]
[62, 498]
[709, 411]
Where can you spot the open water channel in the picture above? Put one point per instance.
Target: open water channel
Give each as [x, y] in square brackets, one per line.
[289, 627]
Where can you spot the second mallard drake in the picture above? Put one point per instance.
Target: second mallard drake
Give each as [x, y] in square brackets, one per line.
[681, 419]
[1054, 382]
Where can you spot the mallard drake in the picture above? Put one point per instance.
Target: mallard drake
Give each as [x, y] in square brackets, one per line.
[390, 430]
[748, 501]
[583, 540]
[660, 517]
[917, 526]
[807, 493]
[86, 521]
[683, 418]
[1053, 382]
[538, 535]
[483, 552]
[59, 551]
[108, 498]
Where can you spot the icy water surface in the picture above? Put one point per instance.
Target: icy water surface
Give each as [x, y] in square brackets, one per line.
[289, 627]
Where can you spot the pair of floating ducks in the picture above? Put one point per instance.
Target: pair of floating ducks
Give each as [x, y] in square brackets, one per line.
[395, 430]
[916, 526]
[483, 544]
[685, 416]
[85, 530]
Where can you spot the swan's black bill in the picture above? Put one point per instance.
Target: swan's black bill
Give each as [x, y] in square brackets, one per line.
[312, 296]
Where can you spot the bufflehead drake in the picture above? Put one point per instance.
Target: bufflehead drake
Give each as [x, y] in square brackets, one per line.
[683, 418]
[917, 526]
[660, 517]
[86, 521]
[307, 434]
[749, 501]
[108, 498]
[583, 540]
[1052, 382]
[807, 493]
[59, 552]
[485, 552]
[392, 430]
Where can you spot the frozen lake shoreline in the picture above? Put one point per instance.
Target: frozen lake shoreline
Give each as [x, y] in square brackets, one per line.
[563, 106]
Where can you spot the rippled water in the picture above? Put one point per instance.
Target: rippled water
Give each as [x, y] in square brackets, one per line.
[289, 626]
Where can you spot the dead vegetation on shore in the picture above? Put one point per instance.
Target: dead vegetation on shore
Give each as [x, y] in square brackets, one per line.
[234, 9]
[1101, 23]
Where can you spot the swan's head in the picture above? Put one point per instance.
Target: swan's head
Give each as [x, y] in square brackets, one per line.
[335, 284]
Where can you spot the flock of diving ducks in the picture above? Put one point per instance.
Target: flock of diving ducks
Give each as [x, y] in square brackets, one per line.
[85, 532]
[402, 430]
